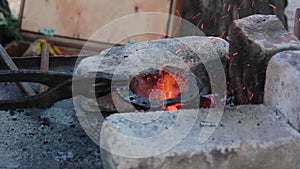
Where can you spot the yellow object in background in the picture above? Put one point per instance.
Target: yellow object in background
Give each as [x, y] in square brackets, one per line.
[35, 48]
[54, 51]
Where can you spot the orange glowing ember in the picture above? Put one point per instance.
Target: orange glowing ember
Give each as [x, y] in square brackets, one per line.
[158, 85]
[174, 107]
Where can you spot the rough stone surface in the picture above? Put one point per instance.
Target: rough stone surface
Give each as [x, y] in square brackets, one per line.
[214, 17]
[253, 41]
[282, 88]
[247, 137]
[196, 54]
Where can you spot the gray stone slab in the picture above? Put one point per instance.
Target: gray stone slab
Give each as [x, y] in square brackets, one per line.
[282, 88]
[247, 137]
[253, 41]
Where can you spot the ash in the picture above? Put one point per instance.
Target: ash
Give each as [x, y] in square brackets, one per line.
[46, 138]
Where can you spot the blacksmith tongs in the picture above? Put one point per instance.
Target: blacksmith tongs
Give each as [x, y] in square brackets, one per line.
[61, 86]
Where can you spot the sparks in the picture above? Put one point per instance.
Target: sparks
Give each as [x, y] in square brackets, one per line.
[251, 96]
[202, 26]
[242, 4]
[178, 51]
[178, 13]
[235, 53]
[195, 16]
[223, 34]
[225, 16]
[299, 19]
[244, 88]
[272, 6]
[228, 8]
[227, 57]
[248, 65]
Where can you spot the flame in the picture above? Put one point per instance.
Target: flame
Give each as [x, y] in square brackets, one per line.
[168, 85]
[174, 107]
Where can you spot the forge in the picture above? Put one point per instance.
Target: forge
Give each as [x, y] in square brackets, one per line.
[161, 74]
[188, 102]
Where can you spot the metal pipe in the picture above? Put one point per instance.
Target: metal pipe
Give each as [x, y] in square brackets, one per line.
[44, 64]
[10, 65]
[297, 23]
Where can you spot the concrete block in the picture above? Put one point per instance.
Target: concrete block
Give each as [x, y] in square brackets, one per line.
[282, 88]
[253, 41]
[247, 137]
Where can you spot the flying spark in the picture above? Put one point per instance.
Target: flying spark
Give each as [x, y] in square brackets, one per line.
[251, 96]
[223, 34]
[178, 51]
[195, 16]
[228, 8]
[178, 13]
[235, 53]
[242, 4]
[272, 6]
[227, 57]
[225, 16]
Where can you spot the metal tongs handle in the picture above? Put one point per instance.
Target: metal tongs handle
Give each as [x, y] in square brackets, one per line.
[61, 86]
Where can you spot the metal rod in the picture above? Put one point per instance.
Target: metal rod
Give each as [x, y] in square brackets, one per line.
[10, 65]
[297, 23]
[44, 64]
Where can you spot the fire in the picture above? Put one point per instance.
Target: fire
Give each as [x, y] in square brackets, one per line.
[168, 85]
[174, 107]
[158, 85]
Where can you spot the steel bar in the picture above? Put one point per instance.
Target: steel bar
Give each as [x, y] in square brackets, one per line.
[44, 64]
[54, 62]
[297, 23]
[10, 65]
